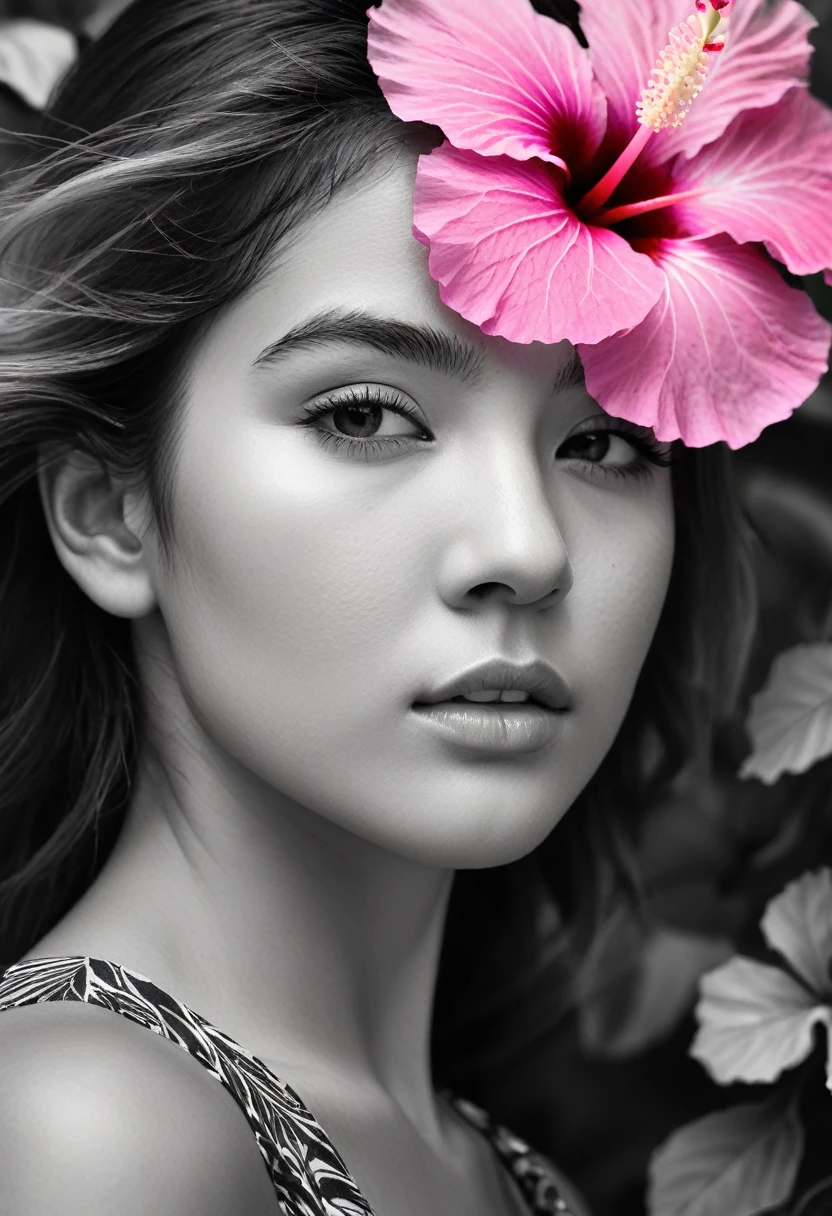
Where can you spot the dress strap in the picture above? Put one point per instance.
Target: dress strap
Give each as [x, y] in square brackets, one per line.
[309, 1175]
[529, 1169]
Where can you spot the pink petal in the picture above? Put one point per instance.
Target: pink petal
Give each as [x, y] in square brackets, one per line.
[769, 178]
[494, 75]
[510, 256]
[728, 350]
[767, 51]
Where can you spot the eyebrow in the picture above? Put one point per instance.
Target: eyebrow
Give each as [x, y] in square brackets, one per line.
[420, 344]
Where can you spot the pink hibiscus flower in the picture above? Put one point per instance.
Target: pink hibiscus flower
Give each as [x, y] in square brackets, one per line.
[571, 201]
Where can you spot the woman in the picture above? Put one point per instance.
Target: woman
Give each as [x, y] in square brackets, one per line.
[269, 505]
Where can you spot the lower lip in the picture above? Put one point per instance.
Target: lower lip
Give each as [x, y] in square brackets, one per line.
[494, 727]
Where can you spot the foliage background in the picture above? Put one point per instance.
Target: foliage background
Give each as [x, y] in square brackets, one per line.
[601, 1089]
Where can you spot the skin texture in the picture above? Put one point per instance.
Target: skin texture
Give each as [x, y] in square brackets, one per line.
[288, 855]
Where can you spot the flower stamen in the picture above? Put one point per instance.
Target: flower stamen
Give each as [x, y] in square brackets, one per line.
[676, 80]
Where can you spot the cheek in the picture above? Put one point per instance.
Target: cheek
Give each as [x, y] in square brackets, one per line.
[295, 594]
[622, 565]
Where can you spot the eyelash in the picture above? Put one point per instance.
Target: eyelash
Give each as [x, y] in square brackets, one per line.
[650, 452]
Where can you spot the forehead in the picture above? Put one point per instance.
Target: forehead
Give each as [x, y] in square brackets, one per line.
[358, 254]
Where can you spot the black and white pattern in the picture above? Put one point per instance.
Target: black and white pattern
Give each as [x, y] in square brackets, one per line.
[309, 1176]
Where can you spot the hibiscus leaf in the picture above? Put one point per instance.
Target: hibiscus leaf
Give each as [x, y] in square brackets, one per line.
[754, 1021]
[740, 1161]
[791, 717]
[798, 924]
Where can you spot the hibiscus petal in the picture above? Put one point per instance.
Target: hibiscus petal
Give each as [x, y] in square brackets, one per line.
[767, 52]
[798, 924]
[769, 178]
[754, 1021]
[510, 256]
[728, 349]
[494, 75]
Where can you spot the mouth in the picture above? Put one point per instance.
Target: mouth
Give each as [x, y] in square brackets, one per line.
[530, 699]
[498, 706]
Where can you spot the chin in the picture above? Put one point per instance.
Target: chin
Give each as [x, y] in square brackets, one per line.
[476, 842]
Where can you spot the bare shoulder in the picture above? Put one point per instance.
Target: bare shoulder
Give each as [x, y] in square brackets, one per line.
[100, 1116]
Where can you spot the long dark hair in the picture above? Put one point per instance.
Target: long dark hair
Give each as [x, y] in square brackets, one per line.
[187, 142]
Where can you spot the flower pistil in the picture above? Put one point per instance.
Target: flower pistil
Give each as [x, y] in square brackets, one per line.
[675, 83]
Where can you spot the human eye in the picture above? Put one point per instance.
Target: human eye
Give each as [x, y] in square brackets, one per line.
[358, 425]
[615, 449]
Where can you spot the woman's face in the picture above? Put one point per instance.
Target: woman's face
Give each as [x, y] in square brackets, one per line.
[457, 499]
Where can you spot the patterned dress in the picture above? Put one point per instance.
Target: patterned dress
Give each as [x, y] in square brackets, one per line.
[308, 1174]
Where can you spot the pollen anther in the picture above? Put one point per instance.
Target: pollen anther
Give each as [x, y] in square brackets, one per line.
[676, 80]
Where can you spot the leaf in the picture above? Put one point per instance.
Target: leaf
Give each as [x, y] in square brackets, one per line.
[791, 717]
[754, 1021]
[736, 1162]
[798, 923]
[662, 989]
[34, 55]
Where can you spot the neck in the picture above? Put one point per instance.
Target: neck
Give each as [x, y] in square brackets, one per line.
[315, 949]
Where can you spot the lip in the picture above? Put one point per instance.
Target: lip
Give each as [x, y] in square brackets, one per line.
[495, 727]
[542, 681]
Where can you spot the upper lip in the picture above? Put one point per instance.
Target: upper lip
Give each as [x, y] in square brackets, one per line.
[539, 679]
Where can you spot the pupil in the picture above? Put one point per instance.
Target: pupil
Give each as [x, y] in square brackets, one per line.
[366, 418]
[594, 445]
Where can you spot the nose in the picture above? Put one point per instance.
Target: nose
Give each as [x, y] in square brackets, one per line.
[504, 540]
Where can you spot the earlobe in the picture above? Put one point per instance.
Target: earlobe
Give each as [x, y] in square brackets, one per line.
[84, 506]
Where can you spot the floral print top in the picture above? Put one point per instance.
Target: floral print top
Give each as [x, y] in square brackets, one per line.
[309, 1176]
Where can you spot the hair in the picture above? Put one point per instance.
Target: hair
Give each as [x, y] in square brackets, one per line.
[185, 145]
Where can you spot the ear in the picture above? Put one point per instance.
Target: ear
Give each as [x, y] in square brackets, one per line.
[100, 530]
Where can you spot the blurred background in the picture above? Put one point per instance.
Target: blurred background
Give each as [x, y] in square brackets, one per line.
[603, 1087]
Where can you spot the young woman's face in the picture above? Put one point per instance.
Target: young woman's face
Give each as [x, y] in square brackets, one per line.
[373, 497]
